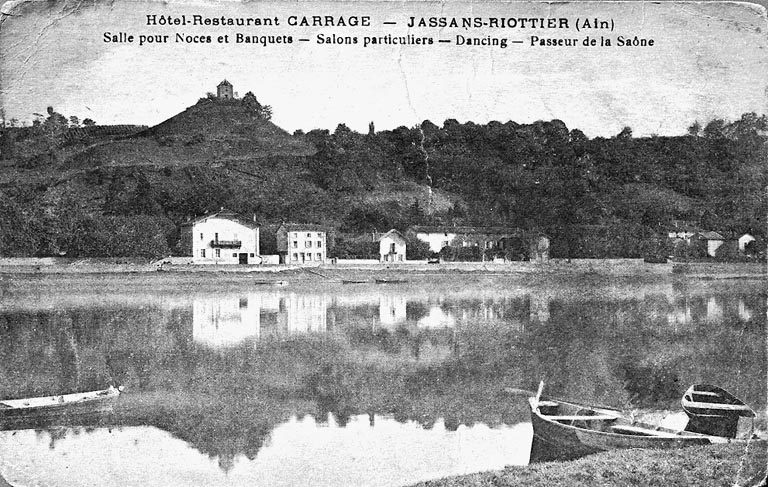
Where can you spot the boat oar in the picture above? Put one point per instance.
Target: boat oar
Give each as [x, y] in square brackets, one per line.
[525, 392]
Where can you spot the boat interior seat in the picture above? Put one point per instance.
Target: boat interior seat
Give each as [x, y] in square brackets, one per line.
[637, 430]
[596, 417]
[550, 404]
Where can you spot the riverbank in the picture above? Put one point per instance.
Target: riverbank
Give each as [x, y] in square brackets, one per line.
[712, 465]
[350, 269]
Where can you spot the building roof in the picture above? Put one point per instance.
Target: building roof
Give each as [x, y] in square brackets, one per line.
[223, 214]
[390, 233]
[466, 230]
[225, 83]
[302, 227]
[711, 235]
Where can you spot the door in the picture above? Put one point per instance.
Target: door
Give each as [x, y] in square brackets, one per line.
[242, 258]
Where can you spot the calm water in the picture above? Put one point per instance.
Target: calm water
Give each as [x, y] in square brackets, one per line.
[232, 383]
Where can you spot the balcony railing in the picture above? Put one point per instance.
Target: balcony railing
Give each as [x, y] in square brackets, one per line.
[226, 244]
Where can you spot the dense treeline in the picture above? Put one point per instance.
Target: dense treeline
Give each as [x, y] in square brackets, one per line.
[599, 197]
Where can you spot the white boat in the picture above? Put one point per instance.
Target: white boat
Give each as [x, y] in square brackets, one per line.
[64, 404]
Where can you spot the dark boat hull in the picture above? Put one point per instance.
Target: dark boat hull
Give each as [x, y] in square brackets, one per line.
[713, 411]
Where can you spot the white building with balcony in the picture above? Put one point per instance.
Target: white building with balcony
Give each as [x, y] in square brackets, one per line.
[222, 237]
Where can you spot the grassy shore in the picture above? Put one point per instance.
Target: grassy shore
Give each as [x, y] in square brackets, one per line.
[712, 465]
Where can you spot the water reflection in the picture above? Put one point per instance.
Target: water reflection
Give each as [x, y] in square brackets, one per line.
[300, 451]
[226, 320]
[224, 372]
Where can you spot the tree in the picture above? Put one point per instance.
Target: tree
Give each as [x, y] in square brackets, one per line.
[87, 122]
[262, 111]
[416, 249]
[626, 133]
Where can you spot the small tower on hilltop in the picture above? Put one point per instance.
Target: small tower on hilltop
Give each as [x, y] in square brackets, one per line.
[224, 90]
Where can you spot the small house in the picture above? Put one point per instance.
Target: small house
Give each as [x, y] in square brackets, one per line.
[302, 244]
[501, 238]
[225, 91]
[712, 240]
[222, 237]
[745, 240]
[392, 247]
[539, 248]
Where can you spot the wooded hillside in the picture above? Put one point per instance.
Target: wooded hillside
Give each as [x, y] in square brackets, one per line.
[68, 189]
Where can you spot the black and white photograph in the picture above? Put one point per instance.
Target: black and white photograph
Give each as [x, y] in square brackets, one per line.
[383, 243]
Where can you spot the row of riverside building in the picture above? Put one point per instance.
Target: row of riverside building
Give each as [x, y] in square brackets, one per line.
[224, 237]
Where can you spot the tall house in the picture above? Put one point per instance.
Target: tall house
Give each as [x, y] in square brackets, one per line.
[222, 238]
[303, 244]
[224, 90]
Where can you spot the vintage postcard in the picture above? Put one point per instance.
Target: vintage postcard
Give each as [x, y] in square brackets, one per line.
[383, 243]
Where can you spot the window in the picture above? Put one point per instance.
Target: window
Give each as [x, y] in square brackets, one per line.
[319, 256]
[295, 244]
[252, 254]
[202, 253]
[308, 244]
[319, 235]
[309, 256]
[309, 235]
[218, 253]
[319, 244]
[294, 256]
[201, 235]
[234, 254]
[216, 236]
[392, 248]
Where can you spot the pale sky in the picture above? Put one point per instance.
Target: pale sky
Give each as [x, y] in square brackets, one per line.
[709, 61]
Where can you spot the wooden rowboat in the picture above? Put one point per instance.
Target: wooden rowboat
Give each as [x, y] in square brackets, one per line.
[66, 404]
[567, 430]
[712, 410]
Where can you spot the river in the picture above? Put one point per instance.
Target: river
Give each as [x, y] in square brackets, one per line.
[231, 382]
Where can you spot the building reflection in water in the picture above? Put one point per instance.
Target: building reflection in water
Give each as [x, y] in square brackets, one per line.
[221, 321]
[392, 310]
[693, 310]
[227, 320]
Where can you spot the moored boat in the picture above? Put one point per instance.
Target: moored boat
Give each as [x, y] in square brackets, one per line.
[712, 410]
[64, 404]
[267, 282]
[568, 430]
